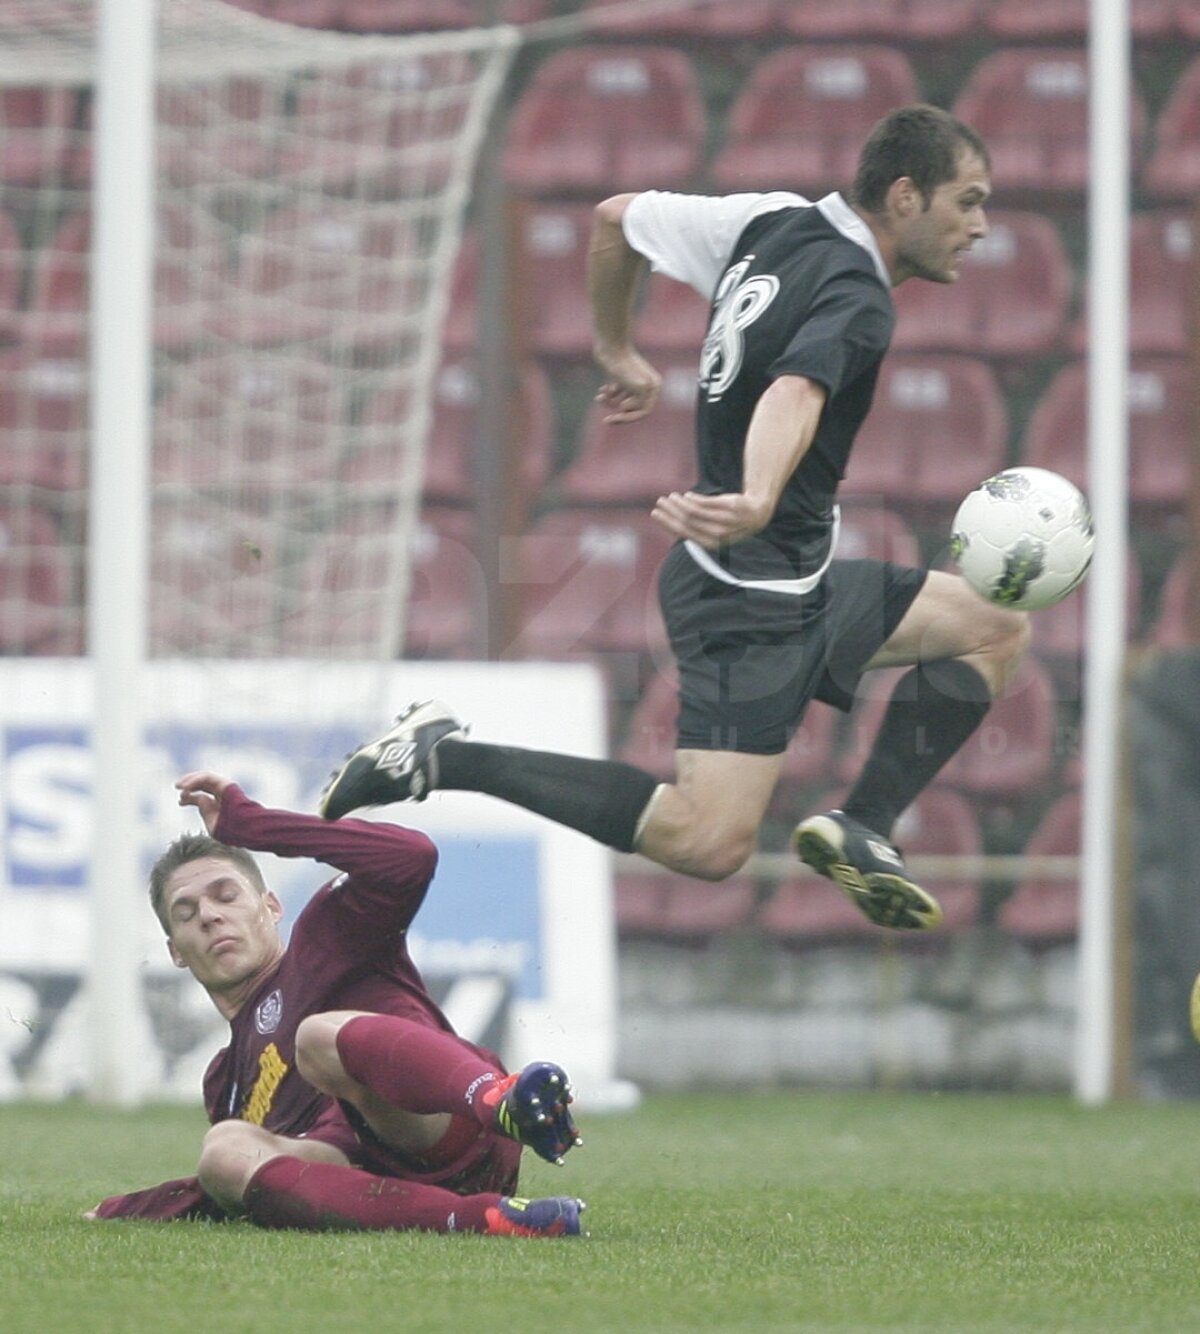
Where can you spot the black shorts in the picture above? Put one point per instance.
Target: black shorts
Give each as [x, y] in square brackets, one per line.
[750, 661]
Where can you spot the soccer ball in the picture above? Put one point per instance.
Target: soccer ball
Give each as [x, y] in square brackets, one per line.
[1023, 538]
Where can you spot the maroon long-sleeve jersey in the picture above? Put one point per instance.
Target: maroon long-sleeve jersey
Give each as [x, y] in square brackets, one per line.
[348, 951]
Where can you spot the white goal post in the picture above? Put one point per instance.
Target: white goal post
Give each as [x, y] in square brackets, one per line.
[272, 215]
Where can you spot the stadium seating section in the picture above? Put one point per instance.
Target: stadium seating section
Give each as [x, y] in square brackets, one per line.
[595, 115]
[636, 462]
[587, 577]
[681, 910]
[1044, 910]
[1173, 171]
[456, 433]
[1160, 266]
[1030, 104]
[910, 449]
[1159, 433]
[836, 92]
[1011, 302]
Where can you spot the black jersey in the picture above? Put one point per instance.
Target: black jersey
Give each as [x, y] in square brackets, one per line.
[797, 296]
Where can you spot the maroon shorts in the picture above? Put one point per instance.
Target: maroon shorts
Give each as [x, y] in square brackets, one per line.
[471, 1161]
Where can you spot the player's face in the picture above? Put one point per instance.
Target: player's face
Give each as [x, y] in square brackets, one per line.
[220, 926]
[931, 242]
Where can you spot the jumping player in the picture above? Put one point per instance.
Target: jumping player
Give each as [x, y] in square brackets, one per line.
[762, 616]
[344, 1098]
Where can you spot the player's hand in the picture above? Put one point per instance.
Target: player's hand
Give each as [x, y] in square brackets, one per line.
[632, 387]
[711, 521]
[204, 790]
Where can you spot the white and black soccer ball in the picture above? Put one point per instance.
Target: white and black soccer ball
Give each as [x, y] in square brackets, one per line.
[1023, 538]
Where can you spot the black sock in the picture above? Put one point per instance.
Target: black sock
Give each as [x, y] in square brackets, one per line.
[604, 799]
[933, 710]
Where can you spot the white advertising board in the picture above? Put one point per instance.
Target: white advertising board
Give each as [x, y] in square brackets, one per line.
[516, 897]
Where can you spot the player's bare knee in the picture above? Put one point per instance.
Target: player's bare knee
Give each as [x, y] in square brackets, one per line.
[231, 1153]
[317, 1057]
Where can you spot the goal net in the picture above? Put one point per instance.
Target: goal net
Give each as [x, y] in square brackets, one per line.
[310, 193]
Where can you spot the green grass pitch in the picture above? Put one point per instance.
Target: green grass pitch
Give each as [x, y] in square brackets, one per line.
[781, 1211]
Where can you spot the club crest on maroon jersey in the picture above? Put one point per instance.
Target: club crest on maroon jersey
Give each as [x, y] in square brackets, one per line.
[269, 1013]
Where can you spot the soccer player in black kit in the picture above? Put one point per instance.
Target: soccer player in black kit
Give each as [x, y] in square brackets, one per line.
[761, 614]
[344, 1098]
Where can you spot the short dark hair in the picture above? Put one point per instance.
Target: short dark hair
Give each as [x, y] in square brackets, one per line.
[192, 848]
[922, 142]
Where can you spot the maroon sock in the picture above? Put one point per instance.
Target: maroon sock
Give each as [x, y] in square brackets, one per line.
[291, 1193]
[417, 1068]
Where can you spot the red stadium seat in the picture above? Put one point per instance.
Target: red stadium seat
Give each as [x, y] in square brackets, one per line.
[872, 532]
[874, 691]
[1160, 267]
[40, 592]
[12, 276]
[216, 588]
[1021, 20]
[937, 427]
[589, 580]
[43, 419]
[36, 142]
[835, 93]
[346, 578]
[681, 910]
[1042, 910]
[455, 434]
[247, 421]
[189, 282]
[310, 264]
[636, 462]
[1030, 104]
[555, 242]
[1159, 425]
[593, 116]
[750, 19]
[1173, 171]
[1011, 299]
[672, 318]
[1012, 753]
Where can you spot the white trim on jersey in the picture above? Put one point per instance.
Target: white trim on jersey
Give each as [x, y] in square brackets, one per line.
[794, 587]
[691, 237]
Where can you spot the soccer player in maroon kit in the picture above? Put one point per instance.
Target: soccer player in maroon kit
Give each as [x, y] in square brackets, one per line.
[344, 1098]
